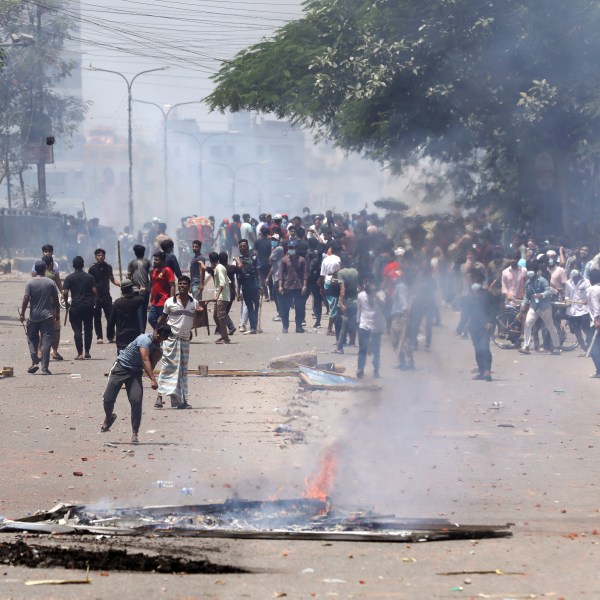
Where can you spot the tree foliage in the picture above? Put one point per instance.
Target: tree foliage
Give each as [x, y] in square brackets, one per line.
[478, 85]
[31, 105]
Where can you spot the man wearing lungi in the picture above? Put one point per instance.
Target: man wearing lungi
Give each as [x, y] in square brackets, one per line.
[179, 313]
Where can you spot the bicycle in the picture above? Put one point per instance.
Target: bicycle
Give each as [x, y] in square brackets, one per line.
[510, 325]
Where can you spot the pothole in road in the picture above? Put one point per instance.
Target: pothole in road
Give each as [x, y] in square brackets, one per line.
[44, 557]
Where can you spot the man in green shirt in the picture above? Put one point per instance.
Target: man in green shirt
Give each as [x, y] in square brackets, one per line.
[348, 280]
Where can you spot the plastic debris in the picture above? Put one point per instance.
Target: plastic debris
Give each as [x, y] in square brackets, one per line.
[164, 484]
[486, 572]
[60, 581]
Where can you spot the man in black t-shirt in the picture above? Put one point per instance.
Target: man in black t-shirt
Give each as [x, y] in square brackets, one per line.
[168, 247]
[81, 308]
[102, 273]
[124, 316]
[262, 247]
[197, 270]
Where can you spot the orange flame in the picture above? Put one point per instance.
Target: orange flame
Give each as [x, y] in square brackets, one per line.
[320, 485]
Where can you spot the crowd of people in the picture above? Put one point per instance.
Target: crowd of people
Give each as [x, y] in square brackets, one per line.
[360, 281]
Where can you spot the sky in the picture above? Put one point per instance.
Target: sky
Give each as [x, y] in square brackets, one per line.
[191, 38]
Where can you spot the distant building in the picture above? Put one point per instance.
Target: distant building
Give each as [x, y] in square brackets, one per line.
[254, 165]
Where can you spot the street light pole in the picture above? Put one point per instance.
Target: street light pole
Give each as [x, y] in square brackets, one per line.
[234, 173]
[166, 111]
[201, 149]
[259, 188]
[129, 83]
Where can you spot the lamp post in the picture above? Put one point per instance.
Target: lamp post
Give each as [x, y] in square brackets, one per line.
[259, 188]
[234, 173]
[166, 109]
[129, 83]
[201, 149]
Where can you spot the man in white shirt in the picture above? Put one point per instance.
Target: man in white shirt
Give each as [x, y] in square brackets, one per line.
[514, 278]
[247, 232]
[370, 317]
[179, 313]
[577, 307]
[330, 288]
[593, 296]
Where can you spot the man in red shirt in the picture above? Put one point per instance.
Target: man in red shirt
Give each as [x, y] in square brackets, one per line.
[163, 287]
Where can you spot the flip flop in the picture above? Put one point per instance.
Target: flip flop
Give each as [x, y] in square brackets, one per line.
[106, 426]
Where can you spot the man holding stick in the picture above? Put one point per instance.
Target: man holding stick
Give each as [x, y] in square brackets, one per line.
[222, 296]
[42, 295]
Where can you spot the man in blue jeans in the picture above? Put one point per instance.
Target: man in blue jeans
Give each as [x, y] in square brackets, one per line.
[248, 284]
[292, 287]
[481, 312]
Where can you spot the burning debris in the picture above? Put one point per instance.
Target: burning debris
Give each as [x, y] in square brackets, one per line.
[304, 518]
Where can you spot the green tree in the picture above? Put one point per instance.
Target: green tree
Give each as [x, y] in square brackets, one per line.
[481, 86]
[32, 108]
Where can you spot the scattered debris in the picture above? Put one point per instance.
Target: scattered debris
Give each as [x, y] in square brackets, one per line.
[291, 361]
[490, 572]
[60, 581]
[7, 372]
[48, 557]
[313, 379]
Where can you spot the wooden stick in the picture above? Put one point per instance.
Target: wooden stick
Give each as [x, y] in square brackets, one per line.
[87, 227]
[22, 322]
[587, 354]
[260, 303]
[119, 257]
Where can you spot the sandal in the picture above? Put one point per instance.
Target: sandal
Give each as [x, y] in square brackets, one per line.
[108, 424]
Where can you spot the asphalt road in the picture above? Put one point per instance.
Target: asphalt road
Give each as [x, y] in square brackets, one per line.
[431, 443]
